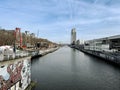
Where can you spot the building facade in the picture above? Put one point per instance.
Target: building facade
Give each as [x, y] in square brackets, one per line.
[108, 44]
[73, 36]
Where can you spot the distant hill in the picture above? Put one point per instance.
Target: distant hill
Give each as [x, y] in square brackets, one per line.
[7, 37]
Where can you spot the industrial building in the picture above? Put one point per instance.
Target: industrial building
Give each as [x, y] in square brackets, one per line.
[108, 44]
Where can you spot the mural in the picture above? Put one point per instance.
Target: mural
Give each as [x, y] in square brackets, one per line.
[15, 76]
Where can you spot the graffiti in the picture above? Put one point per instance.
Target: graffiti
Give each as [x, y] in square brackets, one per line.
[3, 83]
[15, 71]
[26, 74]
[16, 75]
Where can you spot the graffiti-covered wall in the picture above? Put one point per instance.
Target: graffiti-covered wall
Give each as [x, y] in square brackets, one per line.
[15, 74]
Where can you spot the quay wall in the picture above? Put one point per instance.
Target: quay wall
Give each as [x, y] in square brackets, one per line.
[40, 53]
[111, 57]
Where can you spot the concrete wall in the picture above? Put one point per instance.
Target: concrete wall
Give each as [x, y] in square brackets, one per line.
[15, 74]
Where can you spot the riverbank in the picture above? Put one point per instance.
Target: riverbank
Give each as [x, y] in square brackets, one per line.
[40, 53]
[112, 57]
[31, 85]
[20, 62]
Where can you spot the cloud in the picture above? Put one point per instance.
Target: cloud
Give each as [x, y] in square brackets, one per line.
[56, 18]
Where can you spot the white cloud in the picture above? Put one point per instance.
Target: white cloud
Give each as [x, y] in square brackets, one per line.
[54, 17]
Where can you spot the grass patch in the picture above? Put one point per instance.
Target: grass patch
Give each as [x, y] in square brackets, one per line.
[31, 85]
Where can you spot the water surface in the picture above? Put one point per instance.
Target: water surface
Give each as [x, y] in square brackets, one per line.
[70, 69]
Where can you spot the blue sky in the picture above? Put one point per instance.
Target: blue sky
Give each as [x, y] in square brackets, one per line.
[55, 18]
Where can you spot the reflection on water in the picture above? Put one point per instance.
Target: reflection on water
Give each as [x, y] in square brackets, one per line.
[73, 60]
[69, 69]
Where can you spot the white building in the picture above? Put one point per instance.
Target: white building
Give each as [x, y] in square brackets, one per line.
[32, 35]
[108, 44]
[73, 36]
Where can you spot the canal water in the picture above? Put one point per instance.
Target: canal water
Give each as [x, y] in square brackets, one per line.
[70, 69]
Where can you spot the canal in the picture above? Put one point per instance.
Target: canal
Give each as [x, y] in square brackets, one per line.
[70, 69]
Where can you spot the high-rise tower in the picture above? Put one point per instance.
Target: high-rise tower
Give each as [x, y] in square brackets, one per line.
[73, 36]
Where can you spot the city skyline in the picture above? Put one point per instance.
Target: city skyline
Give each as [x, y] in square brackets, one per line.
[54, 19]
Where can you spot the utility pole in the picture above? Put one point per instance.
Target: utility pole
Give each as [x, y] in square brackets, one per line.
[14, 49]
[36, 43]
[38, 34]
